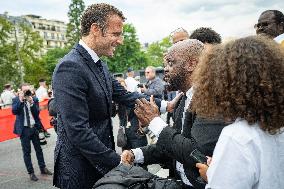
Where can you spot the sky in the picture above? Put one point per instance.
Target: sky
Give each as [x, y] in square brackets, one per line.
[156, 19]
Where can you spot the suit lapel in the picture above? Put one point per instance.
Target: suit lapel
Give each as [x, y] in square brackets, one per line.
[91, 64]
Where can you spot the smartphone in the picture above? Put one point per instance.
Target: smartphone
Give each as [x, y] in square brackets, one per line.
[198, 156]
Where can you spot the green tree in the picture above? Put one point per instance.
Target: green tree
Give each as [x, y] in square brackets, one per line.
[156, 50]
[29, 45]
[76, 9]
[129, 54]
[51, 58]
[8, 61]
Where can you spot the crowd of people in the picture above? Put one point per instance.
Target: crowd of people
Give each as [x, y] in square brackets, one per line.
[226, 101]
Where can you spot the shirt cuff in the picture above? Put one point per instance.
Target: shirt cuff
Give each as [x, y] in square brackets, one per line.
[163, 108]
[157, 125]
[139, 157]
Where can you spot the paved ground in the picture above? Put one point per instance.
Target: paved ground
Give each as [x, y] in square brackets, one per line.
[13, 173]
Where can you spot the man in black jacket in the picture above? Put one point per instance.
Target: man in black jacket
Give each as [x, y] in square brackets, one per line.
[196, 133]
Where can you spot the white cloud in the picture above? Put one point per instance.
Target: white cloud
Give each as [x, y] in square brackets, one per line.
[155, 19]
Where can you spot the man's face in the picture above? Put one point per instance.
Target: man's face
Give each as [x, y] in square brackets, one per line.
[177, 71]
[26, 88]
[179, 36]
[267, 25]
[149, 74]
[112, 37]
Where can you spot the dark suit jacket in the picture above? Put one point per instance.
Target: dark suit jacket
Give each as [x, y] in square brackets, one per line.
[18, 110]
[85, 146]
[198, 133]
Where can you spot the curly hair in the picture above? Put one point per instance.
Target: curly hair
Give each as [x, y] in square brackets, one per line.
[243, 78]
[206, 35]
[98, 13]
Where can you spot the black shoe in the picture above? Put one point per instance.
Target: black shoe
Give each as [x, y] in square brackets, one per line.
[33, 177]
[46, 134]
[45, 171]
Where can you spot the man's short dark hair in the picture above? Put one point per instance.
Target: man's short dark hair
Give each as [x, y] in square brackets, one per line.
[24, 84]
[41, 80]
[279, 16]
[7, 86]
[98, 14]
[206, 35]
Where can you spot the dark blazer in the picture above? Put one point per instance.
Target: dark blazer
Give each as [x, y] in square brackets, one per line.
[198, 133]
[85, 147]
[18, 110]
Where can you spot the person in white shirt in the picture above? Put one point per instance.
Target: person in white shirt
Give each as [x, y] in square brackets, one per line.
[131, 83]
[7, 96]
[41, 92]
[244, 82]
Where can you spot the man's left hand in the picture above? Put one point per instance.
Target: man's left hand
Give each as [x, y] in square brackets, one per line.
[146, 111]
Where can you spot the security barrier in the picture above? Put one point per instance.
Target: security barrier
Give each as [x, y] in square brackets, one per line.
[7, 120]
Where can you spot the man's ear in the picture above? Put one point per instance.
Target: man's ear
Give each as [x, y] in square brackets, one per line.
[95, 29]
[281, 25]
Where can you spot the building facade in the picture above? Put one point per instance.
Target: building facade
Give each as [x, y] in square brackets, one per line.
[52, 31]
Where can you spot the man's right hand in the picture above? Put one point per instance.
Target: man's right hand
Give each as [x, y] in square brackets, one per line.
[127, 157]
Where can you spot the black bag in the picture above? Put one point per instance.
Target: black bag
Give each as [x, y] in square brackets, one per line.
[121, 137]
[52, 109]
[133, 177]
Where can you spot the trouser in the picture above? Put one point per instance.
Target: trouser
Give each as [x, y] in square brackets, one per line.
[28, 135]
[169, 116]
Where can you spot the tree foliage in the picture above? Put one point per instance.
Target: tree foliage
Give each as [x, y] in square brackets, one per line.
[130, 54]
[8, 66]
[29, 44]
[156, 50]
[76, 9]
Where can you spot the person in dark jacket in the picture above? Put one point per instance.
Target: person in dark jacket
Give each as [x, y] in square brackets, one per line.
[27, 126]
[189, 131]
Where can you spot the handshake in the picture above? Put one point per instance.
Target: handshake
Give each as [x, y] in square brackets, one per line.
[127, 157]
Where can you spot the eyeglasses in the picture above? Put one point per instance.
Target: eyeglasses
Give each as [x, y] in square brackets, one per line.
[262, 24]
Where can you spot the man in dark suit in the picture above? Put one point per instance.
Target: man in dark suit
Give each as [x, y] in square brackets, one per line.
[84, 90]
[27, 126]
[188, 133]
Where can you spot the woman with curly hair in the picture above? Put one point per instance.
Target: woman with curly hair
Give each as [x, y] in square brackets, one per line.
[244, 82]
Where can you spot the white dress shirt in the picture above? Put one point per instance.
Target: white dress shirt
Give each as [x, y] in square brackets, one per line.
[32, 120]
[90, 51]
[279, 38]
[156, 126]
[131, 84]
[246, 157]
[7, 97]
[41, 93]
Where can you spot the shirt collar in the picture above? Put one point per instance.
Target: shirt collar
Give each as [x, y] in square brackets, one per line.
[189, 92]
[90, 51]
[279, 38]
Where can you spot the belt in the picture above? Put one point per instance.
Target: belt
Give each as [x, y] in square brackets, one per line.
[31, 126]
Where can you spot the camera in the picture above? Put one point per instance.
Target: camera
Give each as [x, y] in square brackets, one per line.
[140, 85]
[27, 93]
